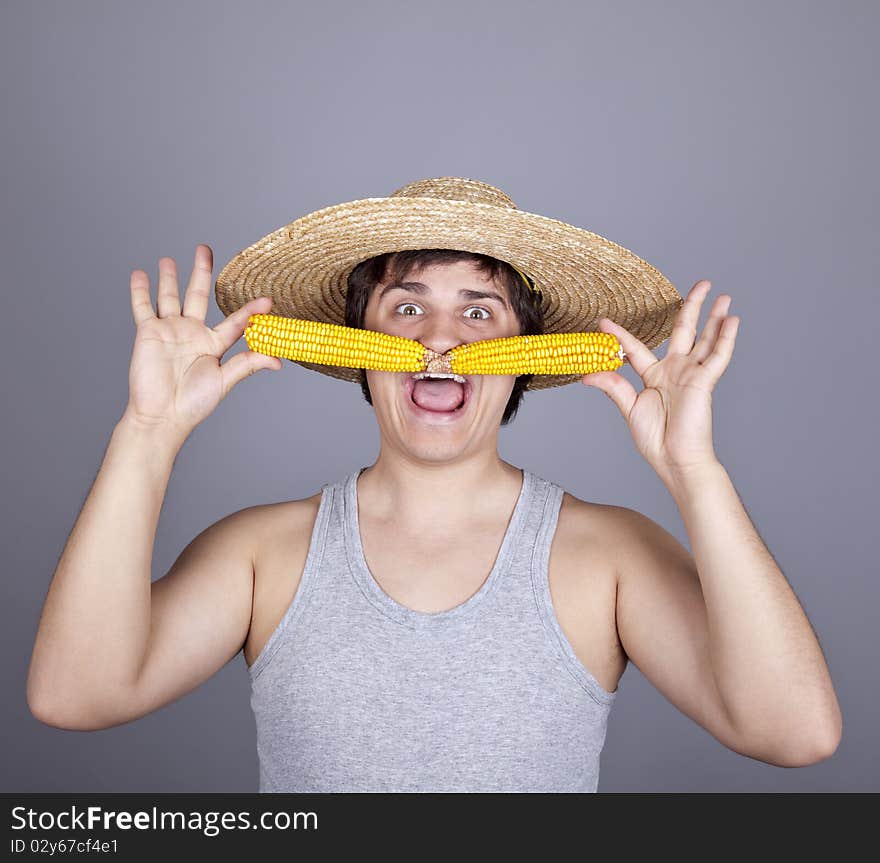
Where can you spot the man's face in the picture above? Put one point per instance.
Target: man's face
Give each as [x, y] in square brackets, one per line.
[442, 310]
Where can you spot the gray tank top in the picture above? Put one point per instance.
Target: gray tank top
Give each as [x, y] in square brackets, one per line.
[355, 692]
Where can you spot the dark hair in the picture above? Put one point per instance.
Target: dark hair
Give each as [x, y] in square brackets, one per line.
[398, 265]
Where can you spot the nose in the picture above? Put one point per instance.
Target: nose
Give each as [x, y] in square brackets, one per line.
[441, 336]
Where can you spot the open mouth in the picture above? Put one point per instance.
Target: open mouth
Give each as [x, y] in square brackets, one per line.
[437, 392]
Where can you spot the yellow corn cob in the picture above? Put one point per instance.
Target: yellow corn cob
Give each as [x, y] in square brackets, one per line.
[333, 344]
[338, 345]
[545, 354]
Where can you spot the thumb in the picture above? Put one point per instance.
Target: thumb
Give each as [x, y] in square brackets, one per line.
[244, 364]
[615, 386]
[597, 380]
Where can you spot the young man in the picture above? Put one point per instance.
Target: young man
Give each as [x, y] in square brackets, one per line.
[439, 620]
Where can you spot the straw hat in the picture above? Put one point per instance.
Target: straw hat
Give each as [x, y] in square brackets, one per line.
[304, 266]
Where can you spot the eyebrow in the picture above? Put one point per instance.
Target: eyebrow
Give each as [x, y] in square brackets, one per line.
[421, 289]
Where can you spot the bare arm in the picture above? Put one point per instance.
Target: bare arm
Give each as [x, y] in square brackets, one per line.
[768, 663]
[721, 634]
[95, 628]
[95, 622]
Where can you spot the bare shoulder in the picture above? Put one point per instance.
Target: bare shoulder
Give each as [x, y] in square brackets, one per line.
[289, 518]
[583, 575]
[597, 528]
[280, 542]
[590, 542]
[599, 547]
[644, 547]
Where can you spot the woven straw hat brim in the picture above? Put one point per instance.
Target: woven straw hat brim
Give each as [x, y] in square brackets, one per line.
[304, 266]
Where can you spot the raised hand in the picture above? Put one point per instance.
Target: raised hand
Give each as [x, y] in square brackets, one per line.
[176, 379]
[671, 418]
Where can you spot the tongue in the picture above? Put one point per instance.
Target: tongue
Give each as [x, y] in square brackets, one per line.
[442, 395]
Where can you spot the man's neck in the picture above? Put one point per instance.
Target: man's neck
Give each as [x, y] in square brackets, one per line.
[446, 497]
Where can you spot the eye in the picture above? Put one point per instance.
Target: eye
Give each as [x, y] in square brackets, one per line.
[480, 308]
[404, 305]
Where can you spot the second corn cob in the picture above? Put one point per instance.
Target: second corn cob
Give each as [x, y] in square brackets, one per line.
[544, 354]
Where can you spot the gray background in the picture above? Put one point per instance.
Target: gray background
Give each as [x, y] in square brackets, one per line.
[735, 142]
